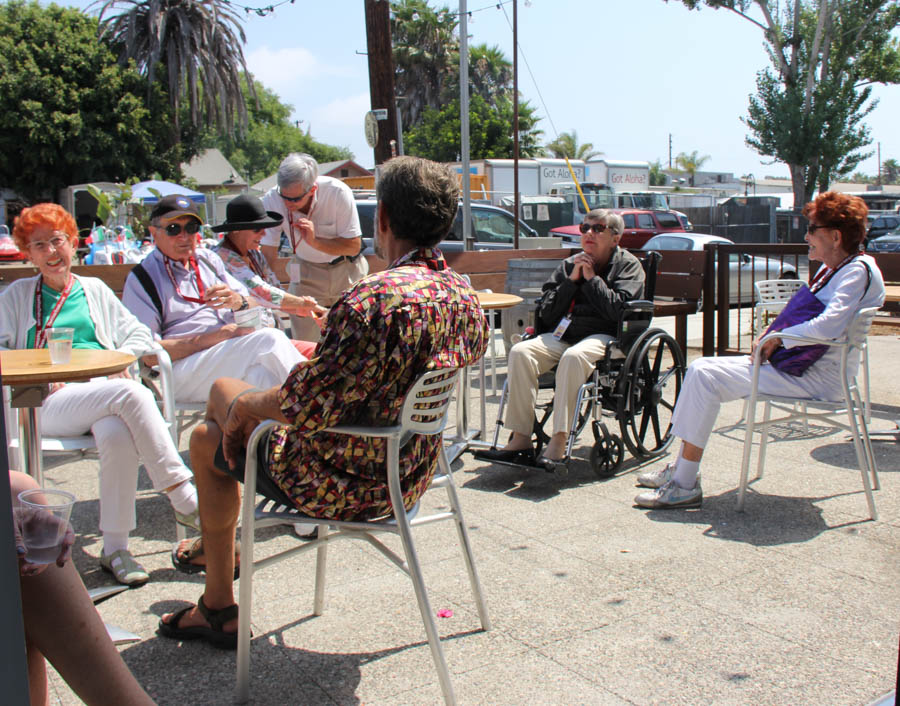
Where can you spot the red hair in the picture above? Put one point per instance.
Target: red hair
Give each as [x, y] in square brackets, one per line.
[847, 213]
[48, 215]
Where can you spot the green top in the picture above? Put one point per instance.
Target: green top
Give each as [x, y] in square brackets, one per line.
[74, 313]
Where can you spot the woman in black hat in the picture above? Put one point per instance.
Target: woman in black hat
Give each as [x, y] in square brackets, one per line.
[245, 222]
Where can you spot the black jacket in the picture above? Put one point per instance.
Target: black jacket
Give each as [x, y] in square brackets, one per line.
[598, 301]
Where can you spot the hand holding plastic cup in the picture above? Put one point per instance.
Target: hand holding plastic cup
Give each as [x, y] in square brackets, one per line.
[59, 340]
[42, 518]
[249, 318]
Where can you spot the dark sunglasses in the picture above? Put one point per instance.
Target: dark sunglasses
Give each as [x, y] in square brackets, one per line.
[292, 199]
[595, 227]
[812, 227]
[173, 230]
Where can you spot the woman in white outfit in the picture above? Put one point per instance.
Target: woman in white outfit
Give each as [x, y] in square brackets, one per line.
[847, 281]
[121, 413]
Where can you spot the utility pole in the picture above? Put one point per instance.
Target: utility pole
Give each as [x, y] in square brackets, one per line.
[381, 73]
[670, 150]
[515, 29]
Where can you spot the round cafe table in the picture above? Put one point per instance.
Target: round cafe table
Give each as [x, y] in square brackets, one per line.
[464, 436]
[29, 372]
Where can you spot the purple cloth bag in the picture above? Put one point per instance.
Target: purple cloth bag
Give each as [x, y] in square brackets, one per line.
[803, 306]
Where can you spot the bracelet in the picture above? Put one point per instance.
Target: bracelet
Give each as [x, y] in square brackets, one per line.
[237, 397]
[244, 304]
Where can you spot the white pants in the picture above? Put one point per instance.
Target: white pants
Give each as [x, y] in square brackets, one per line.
[711, 381]
[529, 359]
[263, 358]
[128, 428]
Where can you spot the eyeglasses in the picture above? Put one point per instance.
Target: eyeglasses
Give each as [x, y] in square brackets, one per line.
[56, 242]
[173, 230]
[293, 199]
[595, 227]
[813, 227]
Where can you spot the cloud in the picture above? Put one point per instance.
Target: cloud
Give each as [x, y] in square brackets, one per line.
[281, 68]
[340, 113]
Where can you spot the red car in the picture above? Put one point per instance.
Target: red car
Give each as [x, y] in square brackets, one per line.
[8, 250]
[640, 226]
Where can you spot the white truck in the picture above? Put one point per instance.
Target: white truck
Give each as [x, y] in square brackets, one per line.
[619, 175]
[536, 176]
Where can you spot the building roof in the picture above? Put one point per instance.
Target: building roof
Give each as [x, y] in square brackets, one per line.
[210, 169]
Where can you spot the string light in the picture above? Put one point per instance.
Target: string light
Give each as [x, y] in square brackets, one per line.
[442, 16]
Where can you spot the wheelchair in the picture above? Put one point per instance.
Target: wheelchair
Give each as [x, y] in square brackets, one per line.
[637, 383]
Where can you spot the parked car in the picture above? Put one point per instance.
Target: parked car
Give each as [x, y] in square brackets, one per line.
[885, 243]
[492, 227]
[640, 226]
[743, 269]
[881, 225]
[8, 250]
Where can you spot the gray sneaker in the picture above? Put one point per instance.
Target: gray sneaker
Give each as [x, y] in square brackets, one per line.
[671, 495]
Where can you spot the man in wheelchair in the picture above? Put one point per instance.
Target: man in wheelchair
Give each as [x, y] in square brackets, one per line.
[577, 316]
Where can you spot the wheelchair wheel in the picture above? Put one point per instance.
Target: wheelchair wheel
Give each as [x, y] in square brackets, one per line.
[648, 387]
[607, 453]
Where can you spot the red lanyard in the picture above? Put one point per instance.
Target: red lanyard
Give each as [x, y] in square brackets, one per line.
[192, 261]
[40, 326]
[291, 230]
[826, 274]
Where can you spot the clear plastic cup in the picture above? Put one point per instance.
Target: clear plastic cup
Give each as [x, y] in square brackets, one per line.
[43, 516]
[59, 341]
[249, 318]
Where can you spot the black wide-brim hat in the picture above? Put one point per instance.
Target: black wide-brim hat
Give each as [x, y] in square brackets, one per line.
[247, 212]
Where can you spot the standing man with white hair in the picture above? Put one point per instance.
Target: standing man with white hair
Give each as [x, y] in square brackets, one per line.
[322, 228]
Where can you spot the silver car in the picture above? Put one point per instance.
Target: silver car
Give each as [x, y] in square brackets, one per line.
[742, 267]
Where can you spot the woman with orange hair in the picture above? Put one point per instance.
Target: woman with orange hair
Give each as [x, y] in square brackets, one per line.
[847, 281]
[120, 412]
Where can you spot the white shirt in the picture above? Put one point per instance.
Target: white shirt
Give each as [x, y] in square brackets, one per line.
[333, 213]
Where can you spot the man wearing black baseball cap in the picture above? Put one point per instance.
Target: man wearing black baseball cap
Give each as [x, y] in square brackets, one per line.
[186, 297]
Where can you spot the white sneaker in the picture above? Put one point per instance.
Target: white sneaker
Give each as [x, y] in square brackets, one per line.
[671, 495]
[657, 478]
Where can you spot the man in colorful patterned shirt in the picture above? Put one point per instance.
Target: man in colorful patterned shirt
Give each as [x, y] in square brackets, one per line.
[381, 335]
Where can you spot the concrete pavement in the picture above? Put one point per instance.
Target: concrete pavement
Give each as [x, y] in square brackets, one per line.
[593, 601]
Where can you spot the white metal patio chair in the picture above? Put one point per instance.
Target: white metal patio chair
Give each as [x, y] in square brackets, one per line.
[180, 415]
[424, 412]
[851, 404]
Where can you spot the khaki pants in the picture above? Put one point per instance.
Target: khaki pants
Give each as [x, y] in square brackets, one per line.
[326, 283]
[529, 359]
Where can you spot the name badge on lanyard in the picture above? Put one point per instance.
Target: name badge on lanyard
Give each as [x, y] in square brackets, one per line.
[562, 326]
[293, 270]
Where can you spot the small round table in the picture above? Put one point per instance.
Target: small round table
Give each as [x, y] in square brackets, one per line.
[29, 372]
[464, 436]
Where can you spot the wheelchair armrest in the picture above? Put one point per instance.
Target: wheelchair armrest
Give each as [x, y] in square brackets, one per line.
[642, 306]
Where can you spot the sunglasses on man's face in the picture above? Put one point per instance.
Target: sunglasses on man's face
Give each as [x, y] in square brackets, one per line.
[594, 227]
[293, 199]
[173, 230]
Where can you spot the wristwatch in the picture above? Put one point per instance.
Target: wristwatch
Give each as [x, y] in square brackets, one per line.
[244, 304]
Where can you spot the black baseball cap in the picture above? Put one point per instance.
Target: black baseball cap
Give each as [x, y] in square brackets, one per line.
[174, 206]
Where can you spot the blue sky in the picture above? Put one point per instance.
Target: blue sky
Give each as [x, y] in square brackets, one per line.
[625, 74]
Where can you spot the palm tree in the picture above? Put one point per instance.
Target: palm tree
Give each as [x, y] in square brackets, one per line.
[197, 43]
[426, 56]
[691, 163]
[566, 145]
[890, 171]
[490, 73]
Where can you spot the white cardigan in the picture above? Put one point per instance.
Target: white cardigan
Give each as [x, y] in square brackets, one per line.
[116, 328]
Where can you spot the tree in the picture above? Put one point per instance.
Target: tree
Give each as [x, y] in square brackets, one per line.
[657, 177]
[426, 56]
[269, 137]
[566, 145]
[691, 163]
[437, 137]
[490, 73]
[69, 113]
[197, 44]
[890, 171]
[810, 104]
